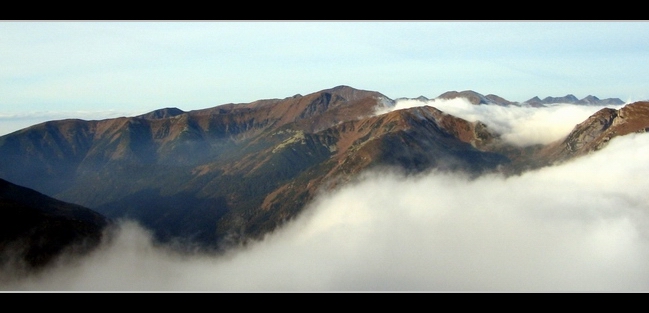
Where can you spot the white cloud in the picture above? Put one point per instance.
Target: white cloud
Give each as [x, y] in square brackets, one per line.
[518, 125]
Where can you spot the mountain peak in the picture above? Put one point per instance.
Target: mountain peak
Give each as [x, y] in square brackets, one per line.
[472, 96]
[350, 93]
[476, 98]
[162, 113]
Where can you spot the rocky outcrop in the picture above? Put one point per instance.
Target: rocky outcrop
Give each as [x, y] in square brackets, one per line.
[596, 131]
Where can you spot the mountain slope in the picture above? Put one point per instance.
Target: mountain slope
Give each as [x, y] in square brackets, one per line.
[37, 228]
[235, 171]
[596, 131]
[414, 140]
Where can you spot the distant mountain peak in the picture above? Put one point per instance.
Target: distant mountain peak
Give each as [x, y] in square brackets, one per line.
[476, 98]
[571, 99]
[472, 96]
[162, 113]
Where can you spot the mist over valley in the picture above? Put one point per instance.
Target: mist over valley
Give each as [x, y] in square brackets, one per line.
[345, 190]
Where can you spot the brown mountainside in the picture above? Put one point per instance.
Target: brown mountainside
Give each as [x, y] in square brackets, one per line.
[596, 131]
[413, 139]
[235, 171]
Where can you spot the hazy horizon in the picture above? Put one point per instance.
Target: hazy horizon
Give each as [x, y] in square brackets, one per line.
[101, 69]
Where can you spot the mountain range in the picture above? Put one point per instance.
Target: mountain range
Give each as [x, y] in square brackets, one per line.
[224, 175]
[477, 98]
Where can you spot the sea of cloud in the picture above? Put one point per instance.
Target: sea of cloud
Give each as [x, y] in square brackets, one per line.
[578, 226]
[521, 126]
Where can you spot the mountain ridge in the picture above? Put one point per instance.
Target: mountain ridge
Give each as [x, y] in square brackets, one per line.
[477, 98]
[571, 99]
[225, 162]
[234, 172]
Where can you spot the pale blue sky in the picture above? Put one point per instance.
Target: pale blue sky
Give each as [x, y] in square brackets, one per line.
[94, 70]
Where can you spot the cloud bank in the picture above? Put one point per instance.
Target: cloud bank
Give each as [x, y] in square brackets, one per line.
[580, 226]
[521, 126]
